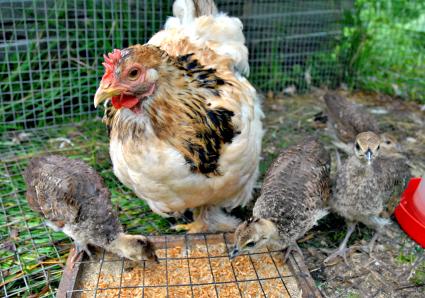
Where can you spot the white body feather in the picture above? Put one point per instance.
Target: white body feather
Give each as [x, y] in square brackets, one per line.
[157, 172]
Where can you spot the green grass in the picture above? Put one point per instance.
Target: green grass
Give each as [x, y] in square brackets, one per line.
[384, 45]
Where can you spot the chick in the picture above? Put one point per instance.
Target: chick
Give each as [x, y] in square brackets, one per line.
[389, 146]
[364, 185]
[347, 119]
[292, 200]
[72, 198]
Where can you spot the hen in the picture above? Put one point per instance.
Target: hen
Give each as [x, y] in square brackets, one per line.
[72, 198]
[185, 124]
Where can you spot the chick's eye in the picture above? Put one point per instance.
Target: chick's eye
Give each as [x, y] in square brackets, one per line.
[378, 147]
[133, 73]
[250, 244]
[387, 142]
[357, 146]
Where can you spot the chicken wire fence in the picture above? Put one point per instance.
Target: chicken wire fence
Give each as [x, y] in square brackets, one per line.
[50, 65]
[51, 51]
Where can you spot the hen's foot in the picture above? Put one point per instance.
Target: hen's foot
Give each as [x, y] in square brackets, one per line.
[193, 227]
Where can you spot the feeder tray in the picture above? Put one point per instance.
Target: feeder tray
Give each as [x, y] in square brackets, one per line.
[190, 266]
[410, 213]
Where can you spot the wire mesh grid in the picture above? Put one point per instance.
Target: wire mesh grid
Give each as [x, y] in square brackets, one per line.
[190, 266]
[51, 51]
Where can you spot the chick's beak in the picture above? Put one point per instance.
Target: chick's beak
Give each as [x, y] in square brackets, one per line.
[234, 253]
[369, 155]
[104, 92]
[155, 258]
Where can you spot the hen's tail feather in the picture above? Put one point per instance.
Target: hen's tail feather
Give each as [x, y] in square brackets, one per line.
[204, 7]
[187, 10]
[205, 27]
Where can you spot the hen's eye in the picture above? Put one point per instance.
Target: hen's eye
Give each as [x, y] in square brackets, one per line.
[250, 244]
[357, 146]
[387, 142]
[133, 73]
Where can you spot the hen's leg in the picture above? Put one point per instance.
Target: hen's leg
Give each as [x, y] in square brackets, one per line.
[197, 226]
[210, 219]
[342, 249]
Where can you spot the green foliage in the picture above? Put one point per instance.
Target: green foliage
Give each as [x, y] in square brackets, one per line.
[384, 45]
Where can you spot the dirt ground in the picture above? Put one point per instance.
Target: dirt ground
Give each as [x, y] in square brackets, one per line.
[386, 272]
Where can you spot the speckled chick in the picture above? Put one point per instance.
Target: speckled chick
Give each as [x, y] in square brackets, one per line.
[72, 198]
[348, 119]
[292, 199]
[364, 185]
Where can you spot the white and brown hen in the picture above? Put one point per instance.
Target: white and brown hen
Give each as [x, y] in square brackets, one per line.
[185, 124]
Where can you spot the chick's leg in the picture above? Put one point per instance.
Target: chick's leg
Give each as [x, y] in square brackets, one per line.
[197, 226]
[80, 249]
[293, 248]
[377, 223]
[342, 249]
[417, 263]
[368, 248]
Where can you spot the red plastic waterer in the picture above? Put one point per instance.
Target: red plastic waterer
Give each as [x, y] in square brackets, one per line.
[410, 213]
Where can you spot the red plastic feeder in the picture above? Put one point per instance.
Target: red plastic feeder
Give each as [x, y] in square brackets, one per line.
[410, 213]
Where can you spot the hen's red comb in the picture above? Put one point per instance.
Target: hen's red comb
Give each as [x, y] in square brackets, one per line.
[110, 62]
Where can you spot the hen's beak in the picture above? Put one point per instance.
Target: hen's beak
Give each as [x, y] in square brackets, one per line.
[234, 253]
[105, 92]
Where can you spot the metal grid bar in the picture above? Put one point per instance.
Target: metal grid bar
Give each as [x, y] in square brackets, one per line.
[186, 257]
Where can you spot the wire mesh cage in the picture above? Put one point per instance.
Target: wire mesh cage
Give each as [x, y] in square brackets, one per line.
[50, 65]
[51, 54]
[191, 266]
[52, 50]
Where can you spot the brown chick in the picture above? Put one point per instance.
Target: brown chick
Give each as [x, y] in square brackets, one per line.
[292, 200]
[72, 198]
[364, 185]
[185, 124]
[347, 119]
